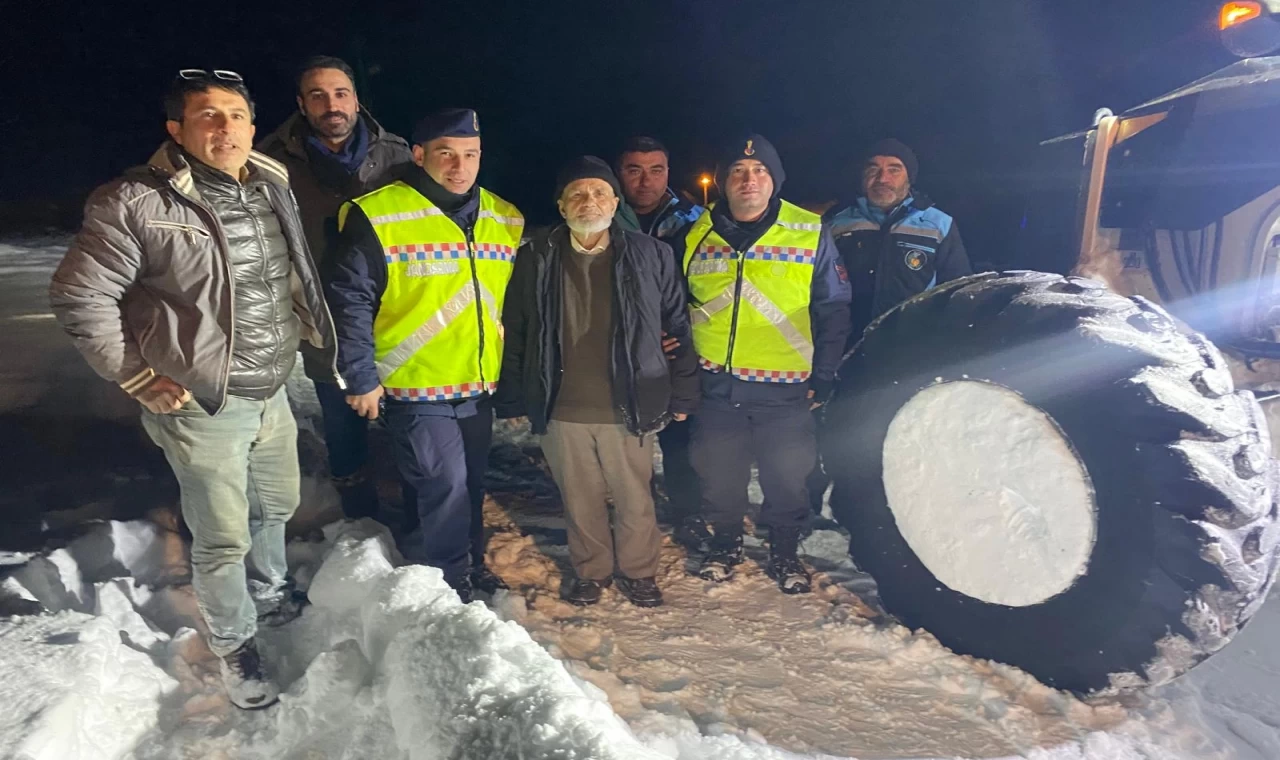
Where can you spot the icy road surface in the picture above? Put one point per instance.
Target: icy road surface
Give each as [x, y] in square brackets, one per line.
[387, 663]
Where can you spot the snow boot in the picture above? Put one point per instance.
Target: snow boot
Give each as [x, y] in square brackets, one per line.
[642, 592]
[785, 566]
[462, 585]
[724, 554]
[484, 579]
[359, 496]
[693, 534]
[585, 592]
[289, 609]
[246, 681]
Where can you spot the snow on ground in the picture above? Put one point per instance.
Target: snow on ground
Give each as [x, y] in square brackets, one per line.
[387, 663]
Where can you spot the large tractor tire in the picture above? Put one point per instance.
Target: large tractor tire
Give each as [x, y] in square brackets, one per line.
[1040, 472]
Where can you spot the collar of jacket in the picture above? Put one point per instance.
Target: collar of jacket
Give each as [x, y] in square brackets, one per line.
[168, 164]
[295, 129]
[675, 203]
[666, 209]
[743, 235]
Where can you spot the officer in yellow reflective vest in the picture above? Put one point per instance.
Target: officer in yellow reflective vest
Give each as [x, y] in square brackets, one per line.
[769, 305]
[419, 279]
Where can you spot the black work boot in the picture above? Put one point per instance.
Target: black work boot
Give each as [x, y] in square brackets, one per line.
[485, 580]
[724, 554]
[359, 496]
[586, 592]
[642, 592]
[462, 585]
[692, 533]
[246, 680]
[785, 566]
[292, 600]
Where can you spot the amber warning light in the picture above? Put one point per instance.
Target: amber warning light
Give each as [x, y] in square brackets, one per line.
[1237, 13]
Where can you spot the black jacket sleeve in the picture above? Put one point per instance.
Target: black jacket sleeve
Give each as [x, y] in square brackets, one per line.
[685, 390]
[357, 279]
[829, 314]
[518, 315]
[953, 261]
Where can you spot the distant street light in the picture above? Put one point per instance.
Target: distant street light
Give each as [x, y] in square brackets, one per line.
[705, 181]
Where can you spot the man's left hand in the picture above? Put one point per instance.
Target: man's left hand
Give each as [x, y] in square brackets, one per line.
[679, 416]
[669, 345]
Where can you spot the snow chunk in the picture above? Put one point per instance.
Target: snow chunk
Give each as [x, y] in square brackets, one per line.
[111, 698]
[55, 581]
[353, 567]
[118, 601]
[469, 685]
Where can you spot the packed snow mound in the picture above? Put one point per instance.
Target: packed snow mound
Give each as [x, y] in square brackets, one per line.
[386, 646]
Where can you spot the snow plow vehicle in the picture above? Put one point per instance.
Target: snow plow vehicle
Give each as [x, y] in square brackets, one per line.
[1074, 474]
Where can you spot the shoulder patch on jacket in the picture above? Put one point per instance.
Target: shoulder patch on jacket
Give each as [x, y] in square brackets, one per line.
[929, 222]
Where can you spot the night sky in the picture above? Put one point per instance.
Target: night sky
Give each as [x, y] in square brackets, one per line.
[972, 85]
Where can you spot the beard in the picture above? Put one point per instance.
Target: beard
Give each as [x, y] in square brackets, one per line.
[589, 225]
[887, 195]
[333, 129]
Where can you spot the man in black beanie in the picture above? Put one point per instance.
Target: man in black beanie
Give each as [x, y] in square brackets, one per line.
[420, 272]
[770, 312]
[586, 312]
[894, 242]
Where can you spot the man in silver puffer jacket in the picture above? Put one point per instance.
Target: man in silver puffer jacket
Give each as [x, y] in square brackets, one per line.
[189, 285]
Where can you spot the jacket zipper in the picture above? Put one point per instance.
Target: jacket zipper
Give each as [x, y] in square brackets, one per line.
[552, 316]
[262, 275]
[480, 305]
[619, 326]
[737, 300]
[883, 250]
[231, 287]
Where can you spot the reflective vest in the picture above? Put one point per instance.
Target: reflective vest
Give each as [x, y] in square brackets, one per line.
[750, 309]
[438, 333]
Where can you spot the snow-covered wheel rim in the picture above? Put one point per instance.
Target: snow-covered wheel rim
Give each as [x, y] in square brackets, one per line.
[1020, 515]
[1185, 541]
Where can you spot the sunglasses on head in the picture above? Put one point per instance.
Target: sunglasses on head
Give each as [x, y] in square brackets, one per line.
[222, 74]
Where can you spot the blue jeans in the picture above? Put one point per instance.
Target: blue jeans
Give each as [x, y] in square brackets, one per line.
[238, 473]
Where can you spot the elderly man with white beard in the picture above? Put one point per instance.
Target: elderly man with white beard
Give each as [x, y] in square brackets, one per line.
[585, 315]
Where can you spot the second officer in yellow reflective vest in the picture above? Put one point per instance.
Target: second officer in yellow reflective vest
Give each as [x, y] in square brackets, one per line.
[419, 278]
[769, 305]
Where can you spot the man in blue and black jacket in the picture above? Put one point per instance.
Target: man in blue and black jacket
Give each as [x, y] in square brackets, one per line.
[893, 241]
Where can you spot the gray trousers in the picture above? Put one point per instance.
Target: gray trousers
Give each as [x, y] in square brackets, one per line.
[591, 464]
[238, 473]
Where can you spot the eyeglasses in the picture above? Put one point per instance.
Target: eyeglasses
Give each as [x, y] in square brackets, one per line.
[222, 74]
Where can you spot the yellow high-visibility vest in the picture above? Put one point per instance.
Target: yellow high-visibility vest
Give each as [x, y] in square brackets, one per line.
[750, 309]
[438, 333]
